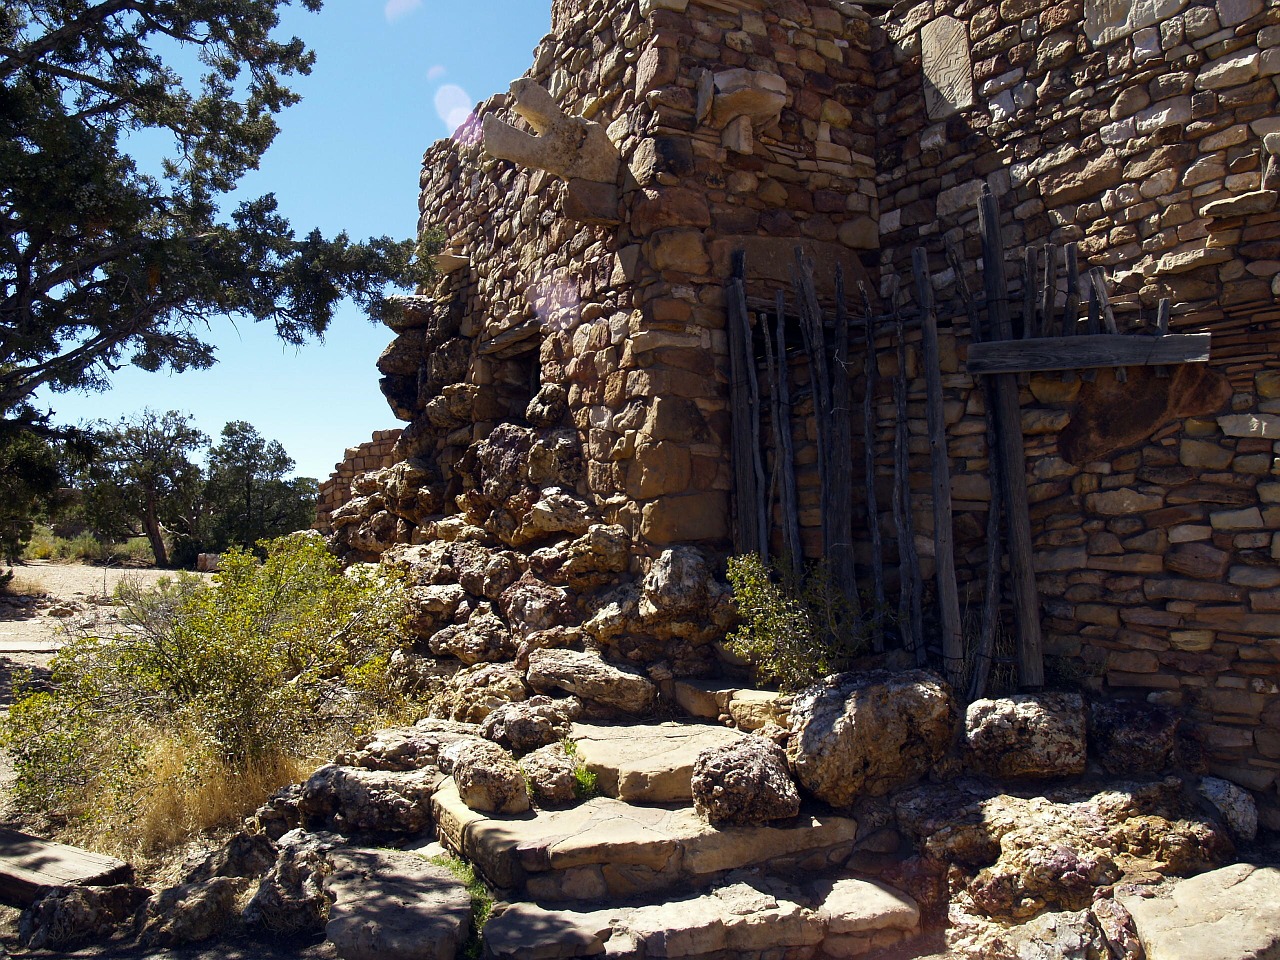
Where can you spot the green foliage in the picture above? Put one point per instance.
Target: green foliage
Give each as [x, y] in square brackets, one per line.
[277, 660]
[247, 495]
[28, 480]
[793, 634]
[103, 263]
[585, 782]
[144, 475]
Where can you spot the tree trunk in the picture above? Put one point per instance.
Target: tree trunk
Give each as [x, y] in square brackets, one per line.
[151, 526]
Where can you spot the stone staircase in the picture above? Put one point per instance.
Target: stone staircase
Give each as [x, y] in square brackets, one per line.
[637, 873]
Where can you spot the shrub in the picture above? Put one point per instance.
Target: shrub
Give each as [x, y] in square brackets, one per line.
[211, 696]
[792, 634]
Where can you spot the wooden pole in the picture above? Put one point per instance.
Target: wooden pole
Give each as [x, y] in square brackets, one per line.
[750, 531]
[1026, 599]
[1030, 326]
[943, 536]
[870, 372]
[1049, 297]
[1163, 312]
[786, 451]
[837, 498]
[1098, 281]
[909, 614]
[816, 347]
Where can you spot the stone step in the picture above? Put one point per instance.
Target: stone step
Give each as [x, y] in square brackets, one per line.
[650, 763]
[606, 848]
[748, 916]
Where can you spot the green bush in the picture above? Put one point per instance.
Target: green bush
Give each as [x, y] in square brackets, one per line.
[233, 683]
[792, 634]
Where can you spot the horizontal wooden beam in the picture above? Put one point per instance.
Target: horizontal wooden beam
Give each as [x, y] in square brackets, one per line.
[1085, 352]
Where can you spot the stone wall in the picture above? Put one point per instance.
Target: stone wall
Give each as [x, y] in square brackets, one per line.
[735, 125]
[378, 452]
[578, 334]
[1155, 535]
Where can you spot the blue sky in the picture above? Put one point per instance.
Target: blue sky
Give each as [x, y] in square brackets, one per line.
[391, 78]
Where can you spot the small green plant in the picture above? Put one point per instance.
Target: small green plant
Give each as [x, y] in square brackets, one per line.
[585, 782]
[792, 633]
[481, 898]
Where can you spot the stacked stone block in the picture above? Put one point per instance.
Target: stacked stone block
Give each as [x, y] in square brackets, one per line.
[377, 453]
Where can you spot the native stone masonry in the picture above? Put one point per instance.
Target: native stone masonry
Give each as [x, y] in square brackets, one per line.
[569, 371]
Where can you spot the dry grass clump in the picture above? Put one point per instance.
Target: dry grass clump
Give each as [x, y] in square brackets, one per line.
[208, 700]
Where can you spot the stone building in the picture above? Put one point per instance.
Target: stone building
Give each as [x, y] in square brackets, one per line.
[573, 358]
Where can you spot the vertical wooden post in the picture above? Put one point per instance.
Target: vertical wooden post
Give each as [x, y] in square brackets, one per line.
[985, 648]
[870, 371]
[750, 529]
[910, 623]
[1162, 328]
[1098, 281]
[943, 536]
[1026, 599]
[1030, 270]
[837, 498]
[1048, 299]
[786, 451]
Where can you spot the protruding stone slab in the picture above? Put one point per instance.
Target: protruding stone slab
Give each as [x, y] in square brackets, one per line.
[948, 70]
[393, 905]
[525, 931]
[1227, 914]
[651, 764]
[609, 848]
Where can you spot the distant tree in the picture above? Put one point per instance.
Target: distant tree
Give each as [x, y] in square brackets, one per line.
[145, 475]
[247, 495]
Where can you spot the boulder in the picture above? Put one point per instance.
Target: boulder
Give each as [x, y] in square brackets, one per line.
[746, 782]
[474, 692]
[521, 727]
[592, 560]
[407, 748]
[244, 855]
[532, 605]
[279, 814]
[556, 511]
[484, 638]
[1053, 936]
[192, 912]
[586, 675]
[489, 779]
[1027, 736]
[1018, 856]
[290, 900]
[353, 800]
[1132, 737]
[66, 917]
[1118, 929]
[678, 584]
[1236, 805]
[550, 774]
[395, 905]
[867, 734]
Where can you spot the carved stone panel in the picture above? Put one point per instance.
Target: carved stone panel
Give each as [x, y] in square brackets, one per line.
[948, 70]
[1106, 21]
